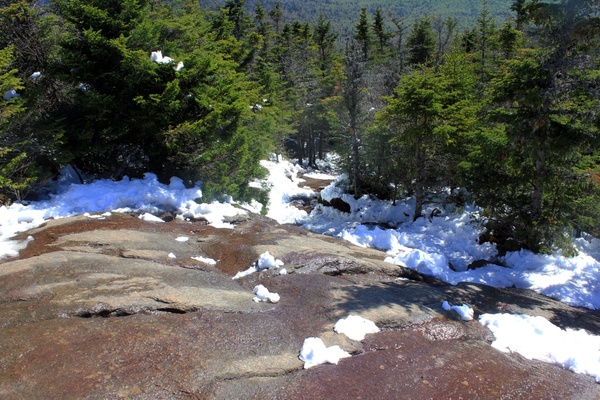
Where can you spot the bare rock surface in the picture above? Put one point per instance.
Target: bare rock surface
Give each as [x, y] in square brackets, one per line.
[118, 308]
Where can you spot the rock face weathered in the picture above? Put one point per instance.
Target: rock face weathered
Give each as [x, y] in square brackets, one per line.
[117, 308]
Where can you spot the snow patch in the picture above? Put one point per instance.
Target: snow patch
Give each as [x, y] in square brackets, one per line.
[314, 352]
[355, 327]
[264, 262]
[537, 338]
[11, 94]
[204, 260]
[263, 294]
[465, 312]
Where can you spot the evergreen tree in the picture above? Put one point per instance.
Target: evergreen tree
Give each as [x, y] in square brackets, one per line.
[276, 15]
[381, 36]
[324, 39]
[520, 9]
[235, 11]
[413, 114]
[133, 114]
[421, 42]
[28, 142]
[508, 38]
[486, 41]
[16, 175]
[362, 33]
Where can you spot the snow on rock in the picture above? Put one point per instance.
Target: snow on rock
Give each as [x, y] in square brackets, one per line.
[205, 260]
[97, 216]
[283, 181]
[172, 255]
[11, 248]
[182, 239]
[355, 327]
[314, 352]
[146, 196]
[149, 218]
[465, 312]
[267, 261]
[11, 94]
[252, 269]
[264, 262]
[263, 294]
[537, 338]
[213, 212]
[443, 246]
[320, 176]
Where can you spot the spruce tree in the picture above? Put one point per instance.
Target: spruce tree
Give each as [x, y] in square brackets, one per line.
[421, 42]
[362, 34]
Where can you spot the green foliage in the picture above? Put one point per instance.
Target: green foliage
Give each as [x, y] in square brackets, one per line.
[131, 115]
[363, 33]
[343, 13]
[413, 115]
[15, 174]
[544, 137]
[421, 42]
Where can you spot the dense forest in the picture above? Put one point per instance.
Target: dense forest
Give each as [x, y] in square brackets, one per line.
[502, 112]
[342, 13]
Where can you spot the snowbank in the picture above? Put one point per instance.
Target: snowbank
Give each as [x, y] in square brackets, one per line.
[283, 181]
[146, 196]
[537, 338]
[443, 246]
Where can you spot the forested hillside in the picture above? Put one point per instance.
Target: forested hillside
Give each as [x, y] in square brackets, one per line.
[342, 13]
[502, 112]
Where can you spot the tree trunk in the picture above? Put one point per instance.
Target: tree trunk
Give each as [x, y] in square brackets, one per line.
[311, 147]
[321, 145]
[419, 181]
[537, 198]
[355, 162]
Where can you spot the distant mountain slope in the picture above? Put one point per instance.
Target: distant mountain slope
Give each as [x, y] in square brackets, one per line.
[344, 13]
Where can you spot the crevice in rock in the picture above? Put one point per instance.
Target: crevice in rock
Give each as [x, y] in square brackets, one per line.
[172, 310]
[106, 311]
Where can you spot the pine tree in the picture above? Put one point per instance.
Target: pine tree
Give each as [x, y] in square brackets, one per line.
[17, 169]
[421, 42]
[486, 41]
[324, 39]
[276, 15]
[133, 113]
[362, 33]
[520, 9]
[381, 36]
[413, 115]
